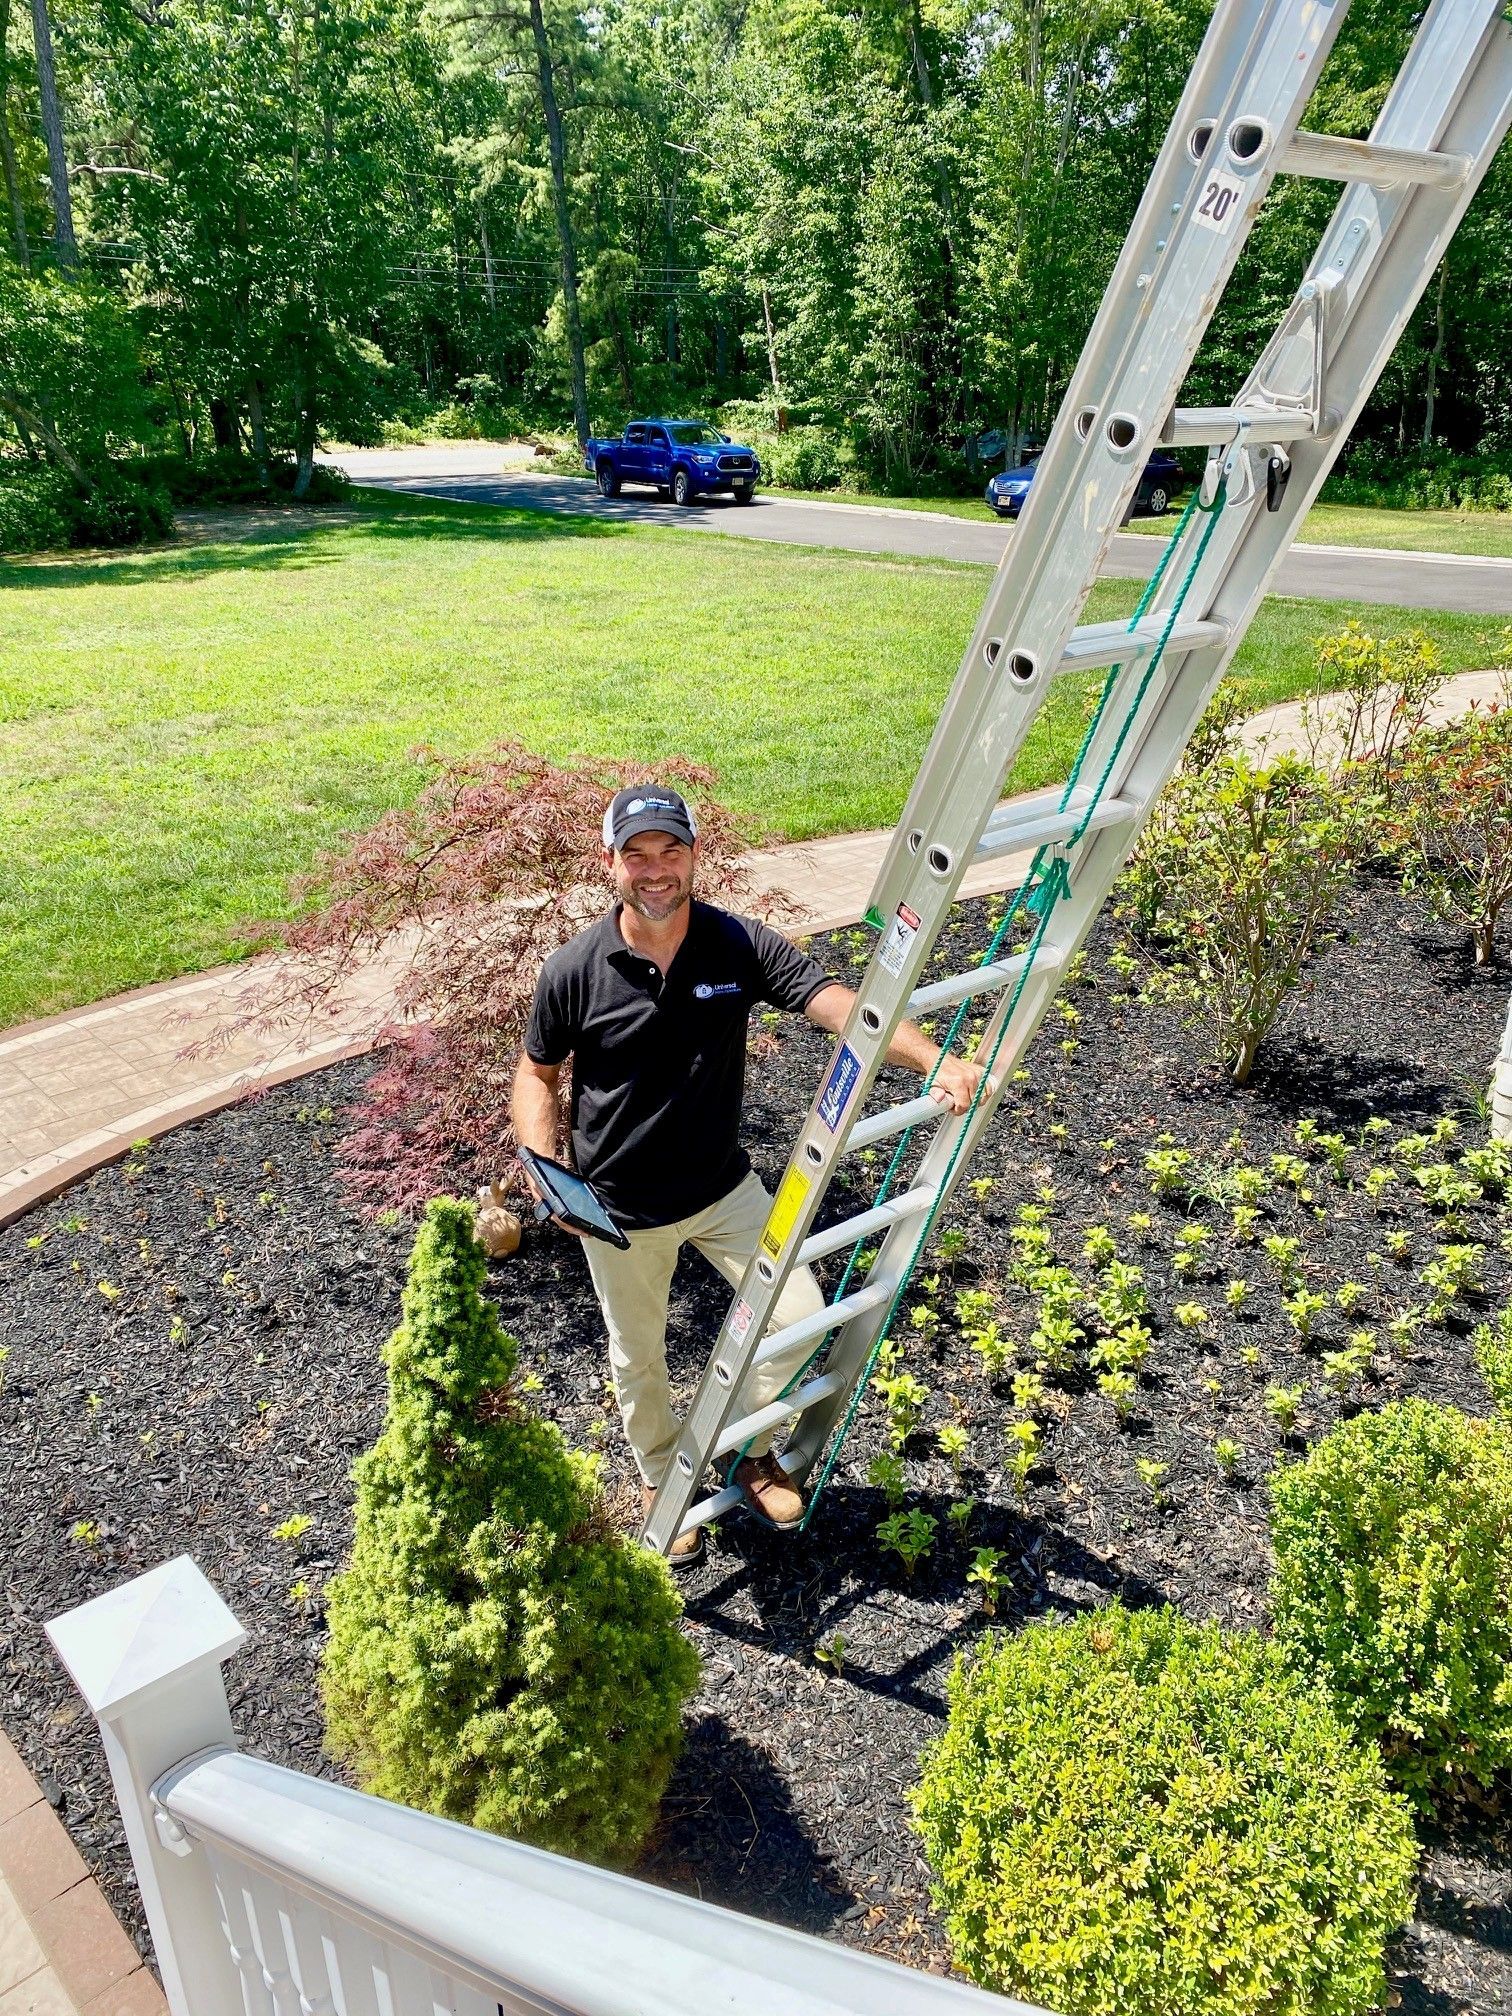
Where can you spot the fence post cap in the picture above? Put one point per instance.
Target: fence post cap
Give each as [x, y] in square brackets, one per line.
[120, 1647]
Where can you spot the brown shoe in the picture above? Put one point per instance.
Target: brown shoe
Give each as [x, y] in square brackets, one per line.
[769, 1493]
[687, 1549]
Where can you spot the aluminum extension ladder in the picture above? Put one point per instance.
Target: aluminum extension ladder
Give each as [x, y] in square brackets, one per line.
[1407, 188]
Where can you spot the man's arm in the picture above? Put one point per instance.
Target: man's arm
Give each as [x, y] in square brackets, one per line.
[534, 1111]
[955, 1082]
[533, 1106]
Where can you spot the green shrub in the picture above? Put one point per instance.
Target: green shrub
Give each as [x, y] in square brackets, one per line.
[1433, 479]
[1393, 1586]
[36, 507]
[1234, 881]
[117, 511]
[229, 477]
[497, 1653]
[805, 458]
[42, 507]
[1136, 1813]
[1493, 1348]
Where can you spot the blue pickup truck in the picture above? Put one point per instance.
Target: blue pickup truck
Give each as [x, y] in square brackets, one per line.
[683, 459]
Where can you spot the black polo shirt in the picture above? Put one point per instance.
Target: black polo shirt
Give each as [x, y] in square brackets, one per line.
[658, 1064]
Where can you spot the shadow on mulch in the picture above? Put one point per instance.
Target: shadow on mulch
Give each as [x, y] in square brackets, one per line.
[730, 1835]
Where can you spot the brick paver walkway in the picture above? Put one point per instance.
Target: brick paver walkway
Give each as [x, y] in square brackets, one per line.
[62, 1953]
[78, 1088]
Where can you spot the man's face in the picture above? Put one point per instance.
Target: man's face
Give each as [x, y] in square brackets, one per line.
[652, 874]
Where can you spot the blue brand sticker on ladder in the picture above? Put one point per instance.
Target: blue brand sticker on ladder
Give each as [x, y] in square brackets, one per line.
[844, 1077]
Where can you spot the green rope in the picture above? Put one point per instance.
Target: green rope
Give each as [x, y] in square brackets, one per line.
[1042, 888]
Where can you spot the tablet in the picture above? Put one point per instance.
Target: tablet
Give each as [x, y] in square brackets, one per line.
[570, 1197]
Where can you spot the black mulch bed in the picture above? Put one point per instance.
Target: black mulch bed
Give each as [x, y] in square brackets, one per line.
[230, 1374]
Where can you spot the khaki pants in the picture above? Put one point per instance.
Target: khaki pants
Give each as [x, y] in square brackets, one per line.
[633, 1289]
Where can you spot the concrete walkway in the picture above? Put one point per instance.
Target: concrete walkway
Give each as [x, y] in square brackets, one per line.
[77, 1089]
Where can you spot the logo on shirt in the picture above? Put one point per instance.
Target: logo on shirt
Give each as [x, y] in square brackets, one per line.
[707, 989]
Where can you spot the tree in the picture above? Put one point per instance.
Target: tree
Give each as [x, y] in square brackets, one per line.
[272, 219]
[513, 42]
[466, 891]
[70, 379]
[52, 130]
[497, 1653]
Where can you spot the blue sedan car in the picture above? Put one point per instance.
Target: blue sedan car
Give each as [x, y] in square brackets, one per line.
[1162, 474]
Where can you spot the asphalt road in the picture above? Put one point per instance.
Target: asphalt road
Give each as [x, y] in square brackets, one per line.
[482, 474]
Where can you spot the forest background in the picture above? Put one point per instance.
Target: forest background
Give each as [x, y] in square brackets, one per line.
[870, 230]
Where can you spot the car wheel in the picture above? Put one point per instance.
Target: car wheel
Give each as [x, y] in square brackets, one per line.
[1158, 501]
[608, 481]
[744, 492]
[682, 489]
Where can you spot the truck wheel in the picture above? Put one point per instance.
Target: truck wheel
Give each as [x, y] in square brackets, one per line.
[1160, 501]
[744, 492]
[608, 480]
[682, 489]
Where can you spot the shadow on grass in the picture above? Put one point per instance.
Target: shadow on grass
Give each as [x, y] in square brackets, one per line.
[253, 541]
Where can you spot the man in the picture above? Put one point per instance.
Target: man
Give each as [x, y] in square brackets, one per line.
[651, 1003]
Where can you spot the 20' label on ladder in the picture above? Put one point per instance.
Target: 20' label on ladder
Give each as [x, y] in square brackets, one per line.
[1219, 203]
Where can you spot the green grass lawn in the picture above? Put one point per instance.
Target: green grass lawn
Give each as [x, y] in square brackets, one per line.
[183, 729]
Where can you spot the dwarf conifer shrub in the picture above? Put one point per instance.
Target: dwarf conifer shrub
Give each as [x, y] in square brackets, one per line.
[1133, 1812]
[498, 1654]
[1393, 1586]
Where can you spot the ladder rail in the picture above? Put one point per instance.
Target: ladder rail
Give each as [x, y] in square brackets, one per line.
[1450, 97]
[1132, 359]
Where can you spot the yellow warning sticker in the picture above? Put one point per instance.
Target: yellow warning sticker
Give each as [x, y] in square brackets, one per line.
[795, 1187]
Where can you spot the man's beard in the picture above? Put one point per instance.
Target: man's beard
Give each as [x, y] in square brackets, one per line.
[657, 909]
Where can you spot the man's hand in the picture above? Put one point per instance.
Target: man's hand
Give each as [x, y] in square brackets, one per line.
[551, 1218]
[956, 1082]
[534, 1111]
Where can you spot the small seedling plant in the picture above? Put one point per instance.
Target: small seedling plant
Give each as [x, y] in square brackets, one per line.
[986, 1574]
[909, 1535]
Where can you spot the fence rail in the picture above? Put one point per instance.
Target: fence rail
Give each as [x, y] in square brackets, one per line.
[277, 1894]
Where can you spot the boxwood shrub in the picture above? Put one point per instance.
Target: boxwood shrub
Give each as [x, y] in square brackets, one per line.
[498, 1653]
[1393, 1586]
[1132, 1812]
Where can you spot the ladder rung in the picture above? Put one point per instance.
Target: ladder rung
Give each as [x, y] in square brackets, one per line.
[727, 1499]
[1213, 426]
[892, 1120]
[1332, 160]
[1092, 644]
[830, 1317]
[810, 1395]
[907, 1204]
[1006, 834]
[979, 980]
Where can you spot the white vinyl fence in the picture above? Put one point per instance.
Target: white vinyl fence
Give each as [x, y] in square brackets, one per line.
[1501, 1087]
[270, 1893]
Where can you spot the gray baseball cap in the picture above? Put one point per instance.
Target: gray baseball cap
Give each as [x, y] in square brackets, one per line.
[648, 808]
